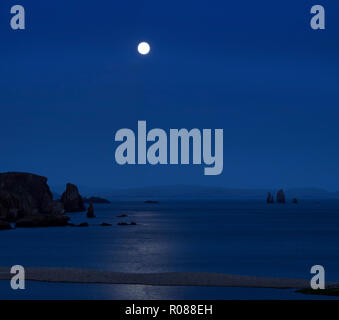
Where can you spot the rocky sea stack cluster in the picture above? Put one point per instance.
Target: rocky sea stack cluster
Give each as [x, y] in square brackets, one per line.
[281, 198]
[27, 201]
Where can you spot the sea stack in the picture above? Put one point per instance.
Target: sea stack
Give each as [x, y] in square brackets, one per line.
[281, 196]
[270, 198]
[72, 200]
[90, 211]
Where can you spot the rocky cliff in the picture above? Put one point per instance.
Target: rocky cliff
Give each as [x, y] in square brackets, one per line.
[25, 194]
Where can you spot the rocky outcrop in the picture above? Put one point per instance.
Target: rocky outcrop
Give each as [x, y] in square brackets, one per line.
[270, 198]
[72, 200]
[295, 200]
[126, 224]
[281, 196]
[151, 202]
[42, 221]
[84, 224]
[96, 200]
[90, 211]
[25, 194]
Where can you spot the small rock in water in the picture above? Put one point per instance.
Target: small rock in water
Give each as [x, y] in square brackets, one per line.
[151, 202]
[122, 216]
[84, 224]
[104, 224]
[126, 224]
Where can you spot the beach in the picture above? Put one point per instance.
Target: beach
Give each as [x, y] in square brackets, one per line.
[73, 275]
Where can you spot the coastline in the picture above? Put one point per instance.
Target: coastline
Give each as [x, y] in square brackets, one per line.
[203, 279]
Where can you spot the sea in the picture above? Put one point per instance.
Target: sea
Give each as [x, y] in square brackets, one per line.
[242, 238]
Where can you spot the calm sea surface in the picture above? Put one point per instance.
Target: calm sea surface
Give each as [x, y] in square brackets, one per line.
[247, 238]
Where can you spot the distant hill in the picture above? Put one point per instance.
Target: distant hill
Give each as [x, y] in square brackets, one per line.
[188, 192]
[95, 200]
[203, 192]
[198, 192]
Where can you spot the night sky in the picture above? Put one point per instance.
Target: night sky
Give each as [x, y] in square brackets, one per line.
[254, 68]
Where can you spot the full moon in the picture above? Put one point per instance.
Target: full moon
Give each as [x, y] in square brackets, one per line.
[144, 48]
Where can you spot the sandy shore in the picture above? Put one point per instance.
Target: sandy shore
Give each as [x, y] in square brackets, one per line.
[73, 275]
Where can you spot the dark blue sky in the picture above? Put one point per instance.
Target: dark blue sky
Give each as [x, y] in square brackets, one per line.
[254, 68]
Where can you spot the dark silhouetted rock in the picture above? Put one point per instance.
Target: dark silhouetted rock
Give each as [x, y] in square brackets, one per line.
[96, 200]
[122, 216]
[104, 224]
[281, 196]
[72, 200]
[270, 198]
[126, 224]
[84, 224]
[25, 194]
[38, 221]
[90, 211]
[151, 202]
[4, 225]
[295, 200]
